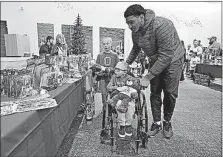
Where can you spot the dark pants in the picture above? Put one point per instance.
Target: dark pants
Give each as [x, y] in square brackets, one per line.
[143, 66]
[182, 75]
[103, 89]
[187, 66]
[168, 82]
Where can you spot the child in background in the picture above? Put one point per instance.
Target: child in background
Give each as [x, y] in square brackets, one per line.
[193, 62]
[124, 117]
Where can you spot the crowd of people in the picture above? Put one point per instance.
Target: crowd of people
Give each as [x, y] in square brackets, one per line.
[194, 54]
[59, 48]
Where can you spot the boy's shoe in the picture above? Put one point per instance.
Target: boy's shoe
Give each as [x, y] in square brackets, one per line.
[121, 132]
[167, 129]
[128, 130]
[155, 128]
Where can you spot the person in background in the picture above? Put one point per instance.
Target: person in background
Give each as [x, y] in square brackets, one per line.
[182, 74]
[42, 41]
[189, 47]
[197, 48]
[193, 62]
[119, 53]
[60, 49]
[188, 57]
[47, 47]
[214, 46]
[199, 43]
[108, 60]
[158, 38]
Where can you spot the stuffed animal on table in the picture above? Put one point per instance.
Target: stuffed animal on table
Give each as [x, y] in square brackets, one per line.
[125, 93]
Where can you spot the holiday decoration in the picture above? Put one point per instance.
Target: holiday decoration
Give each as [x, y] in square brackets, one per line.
[78, 38]
[64, 5]
[193, 23]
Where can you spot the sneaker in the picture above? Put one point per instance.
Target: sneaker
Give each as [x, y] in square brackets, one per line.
[121, 132]
[167, 129]
[128, 130]
[155, 128]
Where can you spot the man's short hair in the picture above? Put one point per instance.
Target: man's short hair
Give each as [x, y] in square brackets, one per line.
[48, 38]
[134, 10]
[109, 38]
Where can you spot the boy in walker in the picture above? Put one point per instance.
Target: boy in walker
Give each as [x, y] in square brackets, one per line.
[125, 106]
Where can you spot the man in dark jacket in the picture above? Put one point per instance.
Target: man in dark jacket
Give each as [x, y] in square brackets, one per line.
[159, 40]
[47, 47]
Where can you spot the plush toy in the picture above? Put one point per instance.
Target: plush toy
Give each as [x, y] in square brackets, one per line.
[100, 73]
[126, 94]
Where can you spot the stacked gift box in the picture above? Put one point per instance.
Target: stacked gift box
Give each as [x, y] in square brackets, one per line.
[202, 79]
[47, 73]
[17, 83]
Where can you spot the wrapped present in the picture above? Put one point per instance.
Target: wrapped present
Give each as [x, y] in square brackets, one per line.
[2, 81]
[73, 61]
[48, 77]
[37, 103]
[8, 84]
[50, 60]
[8, 108]
[24, 85]
[39, 61]
[83, 63]
[19, 87]
[59, 78]
[38, 73]
[31, 61]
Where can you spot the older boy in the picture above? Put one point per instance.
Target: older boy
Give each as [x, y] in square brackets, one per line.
[107, 59]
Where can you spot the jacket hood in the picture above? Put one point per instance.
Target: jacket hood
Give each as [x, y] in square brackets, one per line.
[149, 16]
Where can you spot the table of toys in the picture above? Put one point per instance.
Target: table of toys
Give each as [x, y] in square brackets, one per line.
[209, 68]
[28, 95]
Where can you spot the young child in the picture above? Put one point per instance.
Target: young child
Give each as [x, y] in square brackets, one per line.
[193, 62]
[117, 82]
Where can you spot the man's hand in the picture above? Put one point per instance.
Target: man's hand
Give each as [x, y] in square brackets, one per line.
[145, 81]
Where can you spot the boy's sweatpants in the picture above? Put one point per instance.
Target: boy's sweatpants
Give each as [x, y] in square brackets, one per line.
[125, 119]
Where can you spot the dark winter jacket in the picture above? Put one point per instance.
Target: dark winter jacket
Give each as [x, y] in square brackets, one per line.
[45, 49]
[159, 41]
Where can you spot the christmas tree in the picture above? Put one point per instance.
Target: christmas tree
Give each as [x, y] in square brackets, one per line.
[78, 38]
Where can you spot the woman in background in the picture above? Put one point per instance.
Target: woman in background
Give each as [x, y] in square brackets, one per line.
[60, 48]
